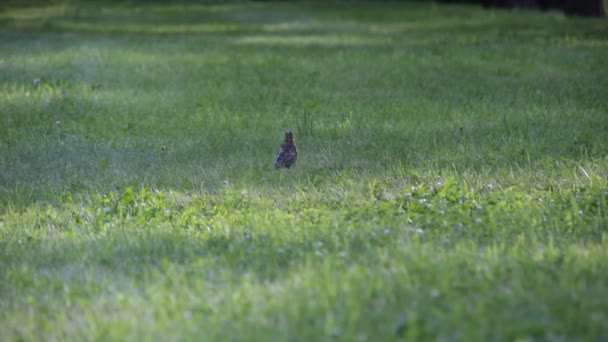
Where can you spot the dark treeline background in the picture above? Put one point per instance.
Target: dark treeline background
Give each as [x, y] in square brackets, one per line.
[586, 8]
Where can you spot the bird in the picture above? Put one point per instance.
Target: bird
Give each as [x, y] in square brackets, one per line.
[288, 153]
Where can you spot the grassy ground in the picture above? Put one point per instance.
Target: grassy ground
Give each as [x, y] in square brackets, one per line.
[451, 183]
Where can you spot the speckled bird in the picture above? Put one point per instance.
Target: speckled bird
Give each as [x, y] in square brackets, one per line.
[288, 153]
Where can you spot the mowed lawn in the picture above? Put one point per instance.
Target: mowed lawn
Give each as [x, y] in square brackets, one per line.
[451, 183]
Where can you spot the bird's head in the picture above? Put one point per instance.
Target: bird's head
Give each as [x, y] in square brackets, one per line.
[289, 135]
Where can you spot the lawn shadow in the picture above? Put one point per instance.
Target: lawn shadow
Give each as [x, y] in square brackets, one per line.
[142, 256]
[330, 25]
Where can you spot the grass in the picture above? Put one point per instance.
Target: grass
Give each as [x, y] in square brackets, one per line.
[452, 181]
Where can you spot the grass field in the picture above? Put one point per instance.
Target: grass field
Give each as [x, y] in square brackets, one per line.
[452, 180]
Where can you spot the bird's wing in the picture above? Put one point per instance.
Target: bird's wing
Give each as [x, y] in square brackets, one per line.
[280, 154]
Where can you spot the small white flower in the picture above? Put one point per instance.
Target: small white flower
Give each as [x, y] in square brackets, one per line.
[411, 229]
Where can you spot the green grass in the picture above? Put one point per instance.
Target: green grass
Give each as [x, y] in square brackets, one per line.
[452, 181]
